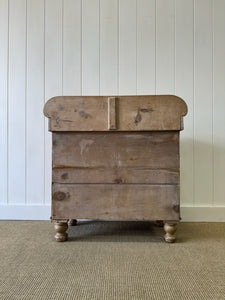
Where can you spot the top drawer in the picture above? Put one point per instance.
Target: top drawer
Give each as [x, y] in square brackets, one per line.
[122, 113]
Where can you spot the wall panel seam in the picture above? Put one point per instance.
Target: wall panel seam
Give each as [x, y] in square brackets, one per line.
[155, 45]
[136, 46]
[26, 66]
[203, 51]
[174, 2]
[99, 47]
[194, 188]
[44, 177]
[8, 105]
[118, 50]
[81, 40]
[62, 3]
[213, 166]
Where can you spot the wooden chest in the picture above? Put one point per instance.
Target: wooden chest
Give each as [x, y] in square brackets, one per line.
[115, 158]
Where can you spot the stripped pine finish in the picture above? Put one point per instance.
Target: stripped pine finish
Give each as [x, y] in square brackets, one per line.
[135, 113]
[156, 150]
[115, 202]
[115, 175]
[115, 158]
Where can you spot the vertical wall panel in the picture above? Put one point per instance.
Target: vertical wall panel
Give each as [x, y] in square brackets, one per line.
[145, 47]
[3, 99]
[127, 47]
[17, 101]
[219, 102]
[165, 46]
[184, 37]
[35, 101]
[108, 47]
[53, 73]
[72, 47]
[203, 103]
[90, 47]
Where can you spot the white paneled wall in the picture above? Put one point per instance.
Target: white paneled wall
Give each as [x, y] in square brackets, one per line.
[110, 47]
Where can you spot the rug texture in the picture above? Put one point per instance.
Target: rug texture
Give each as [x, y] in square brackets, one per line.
[111, 260]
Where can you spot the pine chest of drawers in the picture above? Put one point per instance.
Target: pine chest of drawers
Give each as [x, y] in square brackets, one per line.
[115, 158]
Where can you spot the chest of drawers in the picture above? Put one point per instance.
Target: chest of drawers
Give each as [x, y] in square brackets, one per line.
[115, 158]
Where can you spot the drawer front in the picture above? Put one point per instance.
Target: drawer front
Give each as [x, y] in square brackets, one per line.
[115, 202]
[97, 157]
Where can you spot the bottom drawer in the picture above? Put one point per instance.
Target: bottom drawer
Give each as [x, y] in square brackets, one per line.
[115, 201]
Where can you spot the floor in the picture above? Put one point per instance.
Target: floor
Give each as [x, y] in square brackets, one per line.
[111, 260]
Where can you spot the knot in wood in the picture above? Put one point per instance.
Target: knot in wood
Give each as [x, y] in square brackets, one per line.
[118, 180]
[59, 196]
[176, 207]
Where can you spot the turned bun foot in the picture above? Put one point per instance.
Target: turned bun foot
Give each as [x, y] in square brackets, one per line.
[72, 222]
[61, 228]
[170, 229]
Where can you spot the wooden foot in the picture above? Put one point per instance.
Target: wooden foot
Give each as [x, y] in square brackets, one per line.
[170, 229]
[72, 222]
[61, 228]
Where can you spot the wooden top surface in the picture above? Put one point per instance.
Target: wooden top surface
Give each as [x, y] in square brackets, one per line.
[119, 113]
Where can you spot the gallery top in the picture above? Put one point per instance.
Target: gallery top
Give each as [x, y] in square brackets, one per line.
[115, 113]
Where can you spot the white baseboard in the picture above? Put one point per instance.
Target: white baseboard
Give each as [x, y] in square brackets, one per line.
[203, 214]
[43, 212]
[25, 212]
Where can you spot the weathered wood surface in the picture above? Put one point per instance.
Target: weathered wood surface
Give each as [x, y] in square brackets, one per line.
[132, 113]
[116, 176]
[151, 150]
[112, 123]
[115, 158]
[170, 229]
[61, 234]
[115, 202]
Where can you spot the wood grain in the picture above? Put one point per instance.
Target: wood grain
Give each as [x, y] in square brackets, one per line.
[135, 113]
[152, 150]
[118, 202]
[129, 174]
[116, 176]
[170, 229]
[112, 113]
[61, 234]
